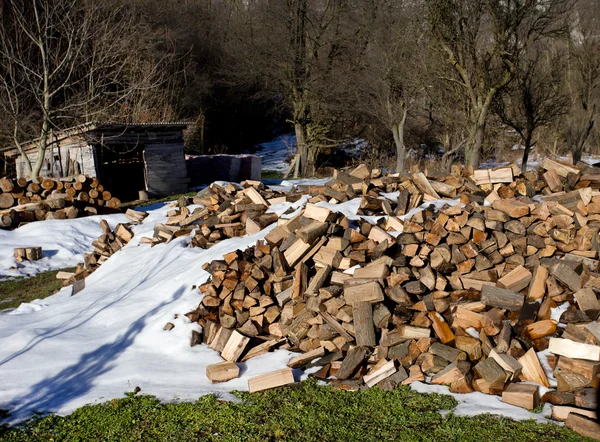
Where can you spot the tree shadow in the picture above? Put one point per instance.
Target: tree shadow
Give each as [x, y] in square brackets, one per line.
[60, 329]
[49, 253]
[78, 379]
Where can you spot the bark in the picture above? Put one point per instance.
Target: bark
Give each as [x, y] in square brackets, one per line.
[398, 132]
[301, 148]
[577, 148]
[526, 152]
[473, 147]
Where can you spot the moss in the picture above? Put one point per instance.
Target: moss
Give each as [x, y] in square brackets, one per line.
[15, 291]
[304, 412]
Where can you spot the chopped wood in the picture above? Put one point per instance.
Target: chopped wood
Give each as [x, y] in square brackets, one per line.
[498, 297]
[222, 372]
[522, 395]
[532, 369]
[386, 369]
[271, 380]
[572, 349]
[583, 425]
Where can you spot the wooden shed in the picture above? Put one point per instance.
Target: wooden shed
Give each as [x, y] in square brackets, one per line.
[126, 158]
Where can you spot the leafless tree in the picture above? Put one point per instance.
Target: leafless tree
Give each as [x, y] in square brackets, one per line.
[66, 61]
[582, 80]
[292, 49]
[483, 40]
[535, 98]
[392, 77]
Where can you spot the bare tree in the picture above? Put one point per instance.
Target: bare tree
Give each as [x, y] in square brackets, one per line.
[582, 81]
[483, 40]
[291, 48]
[534, 99]
[392, 77]
[66, 61]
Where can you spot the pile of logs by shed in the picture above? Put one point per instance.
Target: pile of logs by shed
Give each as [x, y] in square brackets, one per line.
[478, 296]
[23, 201]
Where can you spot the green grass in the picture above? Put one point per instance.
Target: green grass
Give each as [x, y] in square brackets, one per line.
[304, 412]
[270, 174]
[139, 203]
[15, 291]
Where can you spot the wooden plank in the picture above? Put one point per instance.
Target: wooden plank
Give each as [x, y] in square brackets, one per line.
[271, 380]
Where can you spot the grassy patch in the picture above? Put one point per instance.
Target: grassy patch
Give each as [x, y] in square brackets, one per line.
[16, 291]
[305, 412]
[138, 203]
[265, 174]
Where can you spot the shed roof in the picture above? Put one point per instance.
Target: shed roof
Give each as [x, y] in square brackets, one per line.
[103, 126]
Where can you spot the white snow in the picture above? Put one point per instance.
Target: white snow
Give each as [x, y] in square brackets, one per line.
[276, 153]
[63, 244]
[65, 351]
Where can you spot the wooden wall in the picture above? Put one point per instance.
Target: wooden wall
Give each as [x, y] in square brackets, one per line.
[74, 156]
[166, 172]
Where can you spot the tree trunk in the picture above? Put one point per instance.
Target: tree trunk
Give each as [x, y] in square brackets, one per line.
[398, 133]
[473, 148]
[526, 153]
[577, 148]
[576, 155]
[301, 148]
[311, 163]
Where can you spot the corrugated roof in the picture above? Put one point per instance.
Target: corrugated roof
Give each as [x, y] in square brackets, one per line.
[98, 125]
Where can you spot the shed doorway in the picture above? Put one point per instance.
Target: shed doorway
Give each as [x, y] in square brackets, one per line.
[121, 169]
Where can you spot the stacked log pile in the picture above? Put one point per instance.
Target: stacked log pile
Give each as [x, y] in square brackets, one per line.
[225, 212]
[23, 201]
[466, 296]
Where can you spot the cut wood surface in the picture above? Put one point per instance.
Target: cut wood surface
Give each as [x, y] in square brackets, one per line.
[222, 372]
[271, 380]
[52, 198]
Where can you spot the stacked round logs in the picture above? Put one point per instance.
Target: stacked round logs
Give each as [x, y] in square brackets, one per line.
[23, 201]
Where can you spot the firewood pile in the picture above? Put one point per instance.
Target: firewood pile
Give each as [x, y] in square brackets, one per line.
[225, 212]
[23, 201]
[478, 296]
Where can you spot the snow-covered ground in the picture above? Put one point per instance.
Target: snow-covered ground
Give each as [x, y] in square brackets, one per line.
[275, 154]
[65, 351]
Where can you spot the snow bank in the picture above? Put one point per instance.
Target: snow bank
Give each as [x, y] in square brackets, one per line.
[63, 243]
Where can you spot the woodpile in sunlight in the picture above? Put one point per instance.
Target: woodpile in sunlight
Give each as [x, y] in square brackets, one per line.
[23, 201]
[491, 292]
